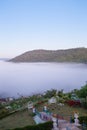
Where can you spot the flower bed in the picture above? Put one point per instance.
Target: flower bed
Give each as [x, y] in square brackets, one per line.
[73, 103]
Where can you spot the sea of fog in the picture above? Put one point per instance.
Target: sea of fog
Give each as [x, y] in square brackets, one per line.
[22, 79]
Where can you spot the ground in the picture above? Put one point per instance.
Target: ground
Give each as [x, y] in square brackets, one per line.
[65, 111]
[19, 119]
[24, 118]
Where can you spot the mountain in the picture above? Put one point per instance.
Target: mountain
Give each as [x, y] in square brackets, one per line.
[68, 55]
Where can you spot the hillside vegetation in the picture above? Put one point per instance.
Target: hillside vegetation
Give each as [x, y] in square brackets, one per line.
[69, 55]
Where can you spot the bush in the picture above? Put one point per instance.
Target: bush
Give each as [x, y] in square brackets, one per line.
[83, 119]
[84, 104]
[42, 126]
[4, 112]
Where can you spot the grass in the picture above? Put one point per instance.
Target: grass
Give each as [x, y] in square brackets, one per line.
[65, 111]
[19, 119]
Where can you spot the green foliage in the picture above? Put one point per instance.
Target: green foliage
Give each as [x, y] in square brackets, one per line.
[43, 126]
[84, 104]
[82, 93]
[68, 95]
[3, 112]
[50, 93]
[6, 113]
[61, 100]
[83, 119]
[60, 93]
[1, 106]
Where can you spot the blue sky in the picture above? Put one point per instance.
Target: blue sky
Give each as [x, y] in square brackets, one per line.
[41, 24]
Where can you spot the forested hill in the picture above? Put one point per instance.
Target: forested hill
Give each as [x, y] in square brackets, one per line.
[68, 55]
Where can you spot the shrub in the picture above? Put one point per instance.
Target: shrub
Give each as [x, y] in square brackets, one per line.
[83, 119]
[84, 104]
[42, 126]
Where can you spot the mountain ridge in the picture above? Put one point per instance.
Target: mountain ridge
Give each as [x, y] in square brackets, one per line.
[42, 55]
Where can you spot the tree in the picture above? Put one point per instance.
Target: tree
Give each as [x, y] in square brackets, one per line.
[60, 93]
[83, 91]
[50, 93]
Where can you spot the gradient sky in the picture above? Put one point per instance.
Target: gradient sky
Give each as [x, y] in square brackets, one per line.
[41, 24]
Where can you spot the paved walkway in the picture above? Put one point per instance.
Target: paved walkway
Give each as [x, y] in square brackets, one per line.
[68, 126]
[64, 125]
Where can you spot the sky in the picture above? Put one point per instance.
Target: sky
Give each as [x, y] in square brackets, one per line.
[41, 24]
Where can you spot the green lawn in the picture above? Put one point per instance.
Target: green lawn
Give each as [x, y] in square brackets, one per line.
[19, 119]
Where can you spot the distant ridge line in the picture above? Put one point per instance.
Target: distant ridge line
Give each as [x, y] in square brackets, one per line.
[42, 55]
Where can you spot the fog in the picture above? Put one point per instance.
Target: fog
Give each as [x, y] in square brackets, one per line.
[24, 79]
